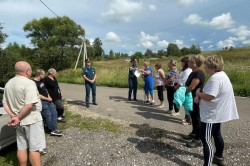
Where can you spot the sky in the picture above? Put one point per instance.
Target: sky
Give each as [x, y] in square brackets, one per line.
[129, 26]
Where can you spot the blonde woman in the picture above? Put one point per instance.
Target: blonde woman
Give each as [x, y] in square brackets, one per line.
[195, 81]
[159, 83]
[149, 82]
[217, 105]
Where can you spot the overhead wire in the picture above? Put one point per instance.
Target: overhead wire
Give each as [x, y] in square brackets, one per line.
[49, 8]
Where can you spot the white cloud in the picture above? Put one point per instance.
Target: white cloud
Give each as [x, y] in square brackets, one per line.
[206, 42]
[112, 37]
[194, 19]
[186, 2]
[246, 42]
[223, 21]
[162, 44]
[242, 32]
[147, 44]
[122, 10]
[226, 43]
[152, 7]
[210, 46]
[179, 43]
[147, 40]
[192, 39]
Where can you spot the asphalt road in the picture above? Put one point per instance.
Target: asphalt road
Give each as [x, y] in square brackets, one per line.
[112, 102]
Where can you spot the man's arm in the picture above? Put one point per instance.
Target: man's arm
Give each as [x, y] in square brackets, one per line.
[8, 110]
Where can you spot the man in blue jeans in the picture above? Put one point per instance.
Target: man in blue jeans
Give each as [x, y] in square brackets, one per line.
[49, 113]
[89, 75]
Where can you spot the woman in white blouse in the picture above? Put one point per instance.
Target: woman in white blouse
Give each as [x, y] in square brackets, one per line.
[159, 83]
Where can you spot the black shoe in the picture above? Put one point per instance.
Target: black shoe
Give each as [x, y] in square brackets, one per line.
[219, 161]
[56, 133]
[129, 100]
[95, 104]
[194, 144]
[135, 99]
[87, 105]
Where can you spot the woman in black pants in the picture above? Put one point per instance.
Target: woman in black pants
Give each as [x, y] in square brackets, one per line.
[195, 81]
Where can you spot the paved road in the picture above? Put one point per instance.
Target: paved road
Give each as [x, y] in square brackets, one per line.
[113, 102]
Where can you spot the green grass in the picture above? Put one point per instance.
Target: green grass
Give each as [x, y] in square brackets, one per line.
[78, 121]
[114, 73]
[8, 156]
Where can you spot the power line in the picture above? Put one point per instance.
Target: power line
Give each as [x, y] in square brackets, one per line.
[49, 8]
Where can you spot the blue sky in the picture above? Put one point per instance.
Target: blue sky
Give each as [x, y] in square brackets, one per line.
[131, 25]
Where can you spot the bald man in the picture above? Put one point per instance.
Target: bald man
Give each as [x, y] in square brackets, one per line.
[21, 101]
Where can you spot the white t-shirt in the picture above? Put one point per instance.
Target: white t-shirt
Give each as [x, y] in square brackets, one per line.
[159, 81]
[20, 91]
[183, 76]
[223, 107]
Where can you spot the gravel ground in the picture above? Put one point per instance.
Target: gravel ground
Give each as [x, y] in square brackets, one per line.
[149, 136]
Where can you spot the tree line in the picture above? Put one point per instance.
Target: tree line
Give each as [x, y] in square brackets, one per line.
[56, 43]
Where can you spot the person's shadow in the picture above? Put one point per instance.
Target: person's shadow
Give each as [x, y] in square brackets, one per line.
[161, 142]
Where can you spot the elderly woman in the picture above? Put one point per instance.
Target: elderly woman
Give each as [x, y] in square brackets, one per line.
[149, 82]
[170, 78]
[195, 81]
[159, 83]
[217, 105]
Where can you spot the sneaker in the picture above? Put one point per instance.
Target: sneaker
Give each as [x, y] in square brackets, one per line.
[152, 102]
[194, 143]
[175, 114]
[42, 151]
[87, 105]
[161, 106]
[169, 111]
[61, 119]
[56, 133]
[186, 123]
[147, 102]
[219, 161]
[95, 104]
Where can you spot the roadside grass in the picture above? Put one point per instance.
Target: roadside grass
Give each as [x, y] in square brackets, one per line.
[8, 156]
[114, 73]
[78, 121]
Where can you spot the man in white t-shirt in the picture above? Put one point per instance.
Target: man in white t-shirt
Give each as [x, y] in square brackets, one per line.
[217, 105]
[21, 101]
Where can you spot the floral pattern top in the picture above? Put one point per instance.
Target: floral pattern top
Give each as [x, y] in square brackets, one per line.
[172, 74]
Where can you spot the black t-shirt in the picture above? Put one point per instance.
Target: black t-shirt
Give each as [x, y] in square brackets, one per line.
[53, 88]
[198, 75]
[41, 88]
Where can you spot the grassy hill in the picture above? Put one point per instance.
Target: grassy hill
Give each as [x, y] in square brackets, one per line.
[115, 73]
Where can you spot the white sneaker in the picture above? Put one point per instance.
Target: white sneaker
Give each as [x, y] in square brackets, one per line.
[161, 106]
[152, 102]
[175, 114]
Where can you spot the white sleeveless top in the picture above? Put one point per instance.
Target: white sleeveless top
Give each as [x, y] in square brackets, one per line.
[158, 80]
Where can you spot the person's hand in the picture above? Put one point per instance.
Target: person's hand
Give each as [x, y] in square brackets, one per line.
[14, 121]
[197, 91]
[49, 99]
[196, 99]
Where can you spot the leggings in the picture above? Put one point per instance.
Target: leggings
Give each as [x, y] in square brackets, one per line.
[209, 130]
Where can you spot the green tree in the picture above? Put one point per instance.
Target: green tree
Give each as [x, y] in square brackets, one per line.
[161, 53]
[97, 45]
[173, 50]
[111, 54]
[195, 49]
[54, 40]
[148, 53]
[185, 51]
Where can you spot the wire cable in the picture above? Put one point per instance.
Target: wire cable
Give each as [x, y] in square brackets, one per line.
[49, 8]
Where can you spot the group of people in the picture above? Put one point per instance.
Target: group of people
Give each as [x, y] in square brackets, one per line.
[35, 106]
[206, 105]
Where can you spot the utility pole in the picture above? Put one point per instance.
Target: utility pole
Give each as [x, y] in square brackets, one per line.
[85, 56]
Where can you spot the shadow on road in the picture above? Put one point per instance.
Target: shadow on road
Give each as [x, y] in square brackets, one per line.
[161, 142]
